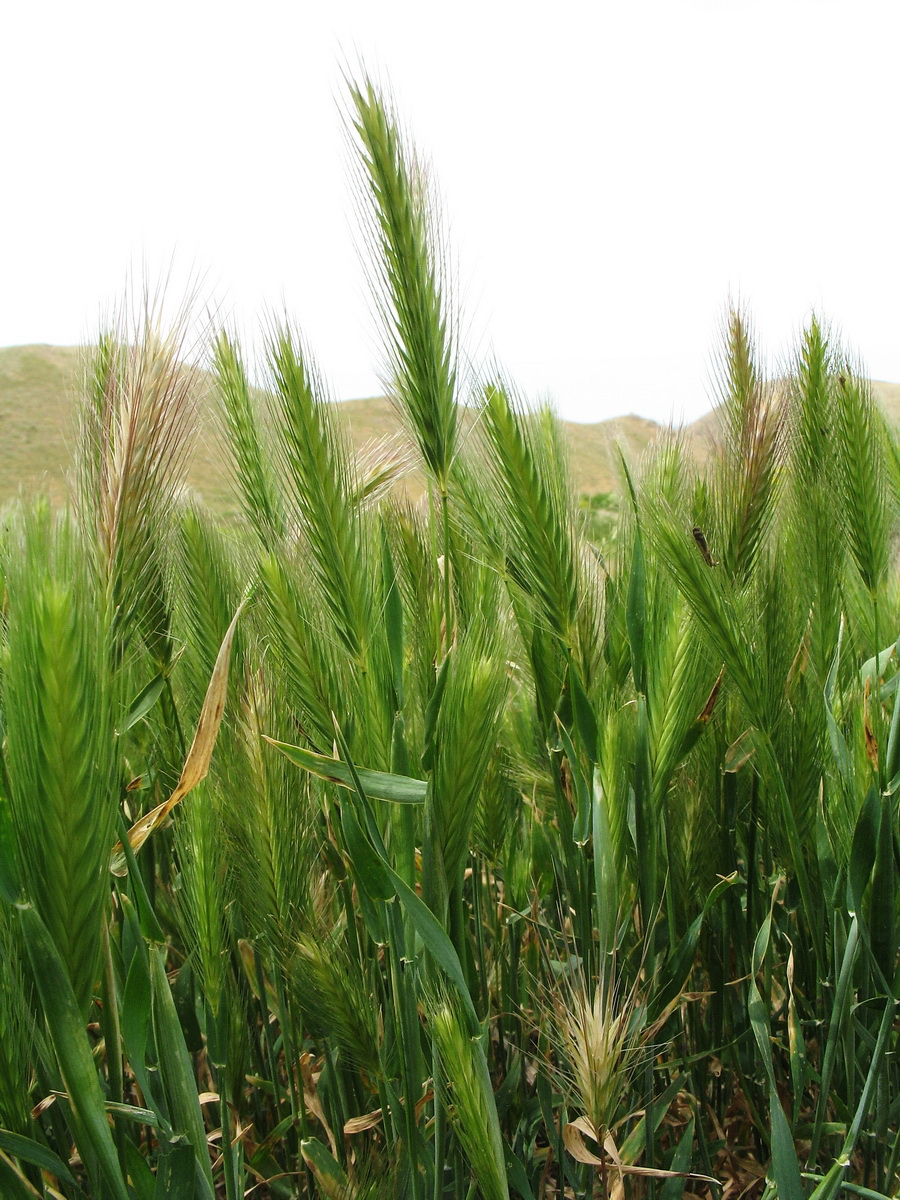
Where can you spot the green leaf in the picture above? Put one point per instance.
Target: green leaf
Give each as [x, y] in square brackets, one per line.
[838, 741]
[432, 710]
[682, 958]
[829, 1185]
[27, 1150]
[142, 1178]
[785, 1171]
[365, 862]
[636, 1141]
[833, 1181]
[176, 1068]
[838, 747]
[673, 1189]
[138, 1116]
[840, 1011]
[146, 918]
[136, 1011]
[136, 1008]
[429, 929]
[828, 872]
[515, 1173]
[144, 701]
[72, 1048]
[436, 942]
[378, 785]
[873, 668]
[882, 912]
[585, 721]
[329, 1173]
[582, 829]
[863, 849]
[10, 886]
[13, 1184]
[176, 1172]
[646, 819]
[606, 879]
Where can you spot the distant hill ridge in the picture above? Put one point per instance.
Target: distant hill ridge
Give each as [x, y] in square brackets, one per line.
[37, 386]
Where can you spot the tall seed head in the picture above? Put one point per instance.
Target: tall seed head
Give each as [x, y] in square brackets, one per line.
[469, 1099]
[408, 276]
[58, 702]
[465, 739]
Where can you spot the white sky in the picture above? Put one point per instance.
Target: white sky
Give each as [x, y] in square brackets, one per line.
[612, 171]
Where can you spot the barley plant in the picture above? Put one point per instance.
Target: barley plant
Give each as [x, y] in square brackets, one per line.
[369, 846]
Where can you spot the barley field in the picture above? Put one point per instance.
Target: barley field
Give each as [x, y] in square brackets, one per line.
[486, 843]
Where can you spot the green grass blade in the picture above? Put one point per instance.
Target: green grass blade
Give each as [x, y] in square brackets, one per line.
[429, 929]
[28, 1150]
[379, 785]
[10, 883]
[13, 1182]
[175, 1068]
[330, 1175]
[175, 1175]
[785, 1171]
[73, 1052]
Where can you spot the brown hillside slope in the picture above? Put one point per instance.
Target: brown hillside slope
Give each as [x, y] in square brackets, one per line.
[38, 386]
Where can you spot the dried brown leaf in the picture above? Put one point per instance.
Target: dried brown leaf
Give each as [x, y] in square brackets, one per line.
[196, 764]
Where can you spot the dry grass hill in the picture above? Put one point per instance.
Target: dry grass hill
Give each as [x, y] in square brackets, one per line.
[38, 385]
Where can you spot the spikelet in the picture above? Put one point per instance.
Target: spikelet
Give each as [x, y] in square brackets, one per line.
[136, 422]
[257, 486]
[468, 1096]
[409, 278]
[59, 707]
[338, 1002]
[596, 1034]
[465, 738]
[749, 473]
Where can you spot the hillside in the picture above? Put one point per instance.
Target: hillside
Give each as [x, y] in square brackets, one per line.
[38, 385]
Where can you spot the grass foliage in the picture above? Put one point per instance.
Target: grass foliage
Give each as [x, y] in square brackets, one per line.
[539, 854]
